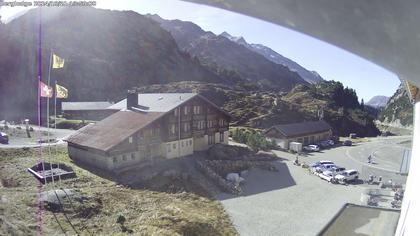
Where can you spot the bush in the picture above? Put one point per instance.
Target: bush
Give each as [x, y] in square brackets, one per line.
[255, 140]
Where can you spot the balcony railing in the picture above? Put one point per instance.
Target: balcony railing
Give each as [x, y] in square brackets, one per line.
[151, 140]
[197, 133]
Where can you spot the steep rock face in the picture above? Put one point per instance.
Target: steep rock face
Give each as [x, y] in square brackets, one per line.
[398, 111]
[309, 76]
[106, 52]
[223, 56]
[378, 101]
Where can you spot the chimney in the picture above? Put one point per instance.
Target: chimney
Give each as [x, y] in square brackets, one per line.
[132, 99]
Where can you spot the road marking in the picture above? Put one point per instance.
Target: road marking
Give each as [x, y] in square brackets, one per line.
[362, 163]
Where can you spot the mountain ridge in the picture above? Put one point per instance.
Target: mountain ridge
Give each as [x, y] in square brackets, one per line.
[310, 76]
[106, 52]
[220, 54]
[378, 101]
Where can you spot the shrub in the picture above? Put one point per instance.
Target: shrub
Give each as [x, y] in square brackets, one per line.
[255, 140]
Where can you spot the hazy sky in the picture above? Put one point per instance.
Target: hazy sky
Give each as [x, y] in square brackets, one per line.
[330, 62]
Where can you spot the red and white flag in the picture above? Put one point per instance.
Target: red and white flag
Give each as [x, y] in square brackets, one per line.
[46, 91]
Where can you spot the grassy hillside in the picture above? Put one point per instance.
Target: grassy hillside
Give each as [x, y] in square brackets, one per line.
[262, 109]
[107, 209]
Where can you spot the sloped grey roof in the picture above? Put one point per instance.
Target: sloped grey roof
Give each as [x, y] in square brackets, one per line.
[303, 128]
[157, 102]
[74, 106]
[112, 130]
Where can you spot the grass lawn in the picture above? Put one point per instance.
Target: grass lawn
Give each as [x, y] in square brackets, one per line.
[144, 212]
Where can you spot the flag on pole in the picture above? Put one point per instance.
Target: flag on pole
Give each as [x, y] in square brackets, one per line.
[46, 91]
[61, 92]
[57, 62]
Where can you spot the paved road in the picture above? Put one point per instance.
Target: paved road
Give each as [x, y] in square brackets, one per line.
[294, 202]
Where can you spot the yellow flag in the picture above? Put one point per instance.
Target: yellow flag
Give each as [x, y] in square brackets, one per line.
[61, 92]
[57, 62]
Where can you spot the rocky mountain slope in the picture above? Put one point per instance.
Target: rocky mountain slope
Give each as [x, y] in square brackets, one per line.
[263, 109]
[106, 52]
[225, 57]
[398, 111]
[378, 101]
[310, 76]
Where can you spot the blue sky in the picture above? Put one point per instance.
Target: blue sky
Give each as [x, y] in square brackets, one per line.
[330, 62]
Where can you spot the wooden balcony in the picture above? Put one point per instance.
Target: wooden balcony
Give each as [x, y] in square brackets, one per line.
[199, 117]
[151, 140]
[223, 129]
[198, 133]
[186, 135]
[186, 118]
[212, 130]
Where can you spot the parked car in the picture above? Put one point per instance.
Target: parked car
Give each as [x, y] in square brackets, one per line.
[312, 148]
[4, 139]
[335, 170]
[318, 163]
[324, 144]
[347, 143]
[316, 167]
[327, 175]
[348, 175]
[323, 167]
[330, 142]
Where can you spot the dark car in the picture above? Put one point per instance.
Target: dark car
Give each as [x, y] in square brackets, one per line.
[4, 139]
[347, 143]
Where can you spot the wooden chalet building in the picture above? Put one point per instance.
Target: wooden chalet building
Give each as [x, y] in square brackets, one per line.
[150, 126]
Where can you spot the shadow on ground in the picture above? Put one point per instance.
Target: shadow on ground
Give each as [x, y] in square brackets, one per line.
[259, 181]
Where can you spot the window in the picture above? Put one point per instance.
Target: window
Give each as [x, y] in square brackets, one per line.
[211, 139]
[186, 110]
[173, 129]
[176, 111]
[148, 152]
[174, 146]
[130, 140]
[115, 159]
[168, 148]
[187, 127]
[222, 137]
[182, 143]
[190, 142]
[133, 156]
[197, 110]
[200, 125]
[124, 158]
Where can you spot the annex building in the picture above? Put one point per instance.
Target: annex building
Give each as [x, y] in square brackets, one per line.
[305, 132]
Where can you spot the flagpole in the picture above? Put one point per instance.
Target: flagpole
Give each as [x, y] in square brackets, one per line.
[48, 117]
[55, 128]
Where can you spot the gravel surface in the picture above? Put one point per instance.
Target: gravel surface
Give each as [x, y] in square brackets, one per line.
[294, 202]
[18, 138]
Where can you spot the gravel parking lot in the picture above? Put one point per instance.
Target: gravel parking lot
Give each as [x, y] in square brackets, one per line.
[294, 202]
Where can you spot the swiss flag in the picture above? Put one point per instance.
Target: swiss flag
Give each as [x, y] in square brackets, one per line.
[46, 91]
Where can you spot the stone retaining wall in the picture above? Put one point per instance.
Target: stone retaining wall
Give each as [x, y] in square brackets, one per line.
[217, 179]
